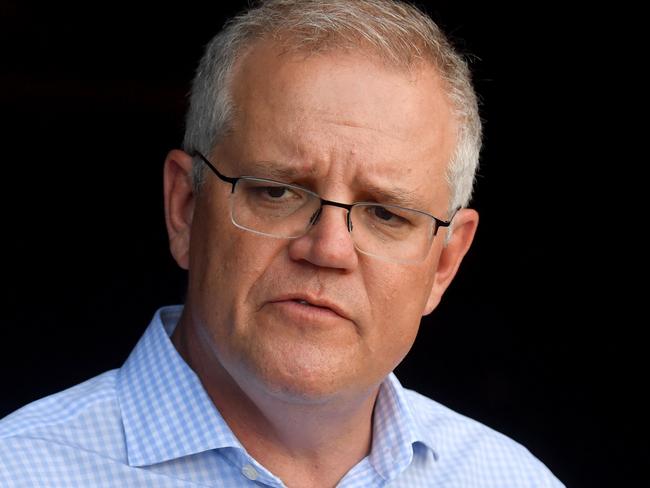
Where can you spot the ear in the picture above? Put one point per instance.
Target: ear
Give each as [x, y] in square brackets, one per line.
[463, 230]
[179, 204]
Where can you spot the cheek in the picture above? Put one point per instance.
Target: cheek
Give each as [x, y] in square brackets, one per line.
[398, 293]
[214, 260]
[230, 264]
[397, 301]
[232, 261]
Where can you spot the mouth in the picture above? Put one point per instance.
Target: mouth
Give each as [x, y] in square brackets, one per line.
[310, 305]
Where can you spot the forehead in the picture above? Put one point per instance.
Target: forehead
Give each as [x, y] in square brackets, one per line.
[342, 113]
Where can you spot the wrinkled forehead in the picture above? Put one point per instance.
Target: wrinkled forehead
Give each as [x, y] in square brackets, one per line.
[409, 59]
[311, 83]
[391, 120]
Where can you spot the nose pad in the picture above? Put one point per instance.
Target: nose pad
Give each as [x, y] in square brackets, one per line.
[313, 220]
[327, 244]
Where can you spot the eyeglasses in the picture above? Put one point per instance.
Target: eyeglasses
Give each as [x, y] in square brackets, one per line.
[281, 210]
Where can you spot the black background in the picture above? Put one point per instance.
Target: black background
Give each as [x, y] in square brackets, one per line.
[92, 96]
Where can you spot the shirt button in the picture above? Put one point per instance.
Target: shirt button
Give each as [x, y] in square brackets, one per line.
[250, 472]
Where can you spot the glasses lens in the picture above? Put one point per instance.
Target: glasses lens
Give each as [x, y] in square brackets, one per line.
[272, 208]
[391, 232]
[280, 210]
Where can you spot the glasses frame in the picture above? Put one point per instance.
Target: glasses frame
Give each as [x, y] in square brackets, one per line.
[314, 219]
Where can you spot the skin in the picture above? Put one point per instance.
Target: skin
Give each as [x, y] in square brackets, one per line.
[297, 383]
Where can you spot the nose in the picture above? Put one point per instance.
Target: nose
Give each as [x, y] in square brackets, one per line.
[328, 243]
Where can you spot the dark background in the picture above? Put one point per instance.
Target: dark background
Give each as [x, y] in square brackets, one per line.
[530, 338]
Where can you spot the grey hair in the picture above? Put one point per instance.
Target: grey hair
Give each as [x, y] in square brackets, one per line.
[395, 31]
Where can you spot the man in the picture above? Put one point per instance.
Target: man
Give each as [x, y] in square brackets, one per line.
[319, 206]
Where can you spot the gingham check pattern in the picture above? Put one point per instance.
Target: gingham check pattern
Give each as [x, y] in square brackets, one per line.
[151, 424]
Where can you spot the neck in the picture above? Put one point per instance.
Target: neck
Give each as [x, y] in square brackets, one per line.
[303, 443]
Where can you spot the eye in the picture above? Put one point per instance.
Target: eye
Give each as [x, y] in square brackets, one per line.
[275, 191]
[270, 194]
[382, 213]
[385, 216]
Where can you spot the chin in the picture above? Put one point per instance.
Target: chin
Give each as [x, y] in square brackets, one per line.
[305, 382]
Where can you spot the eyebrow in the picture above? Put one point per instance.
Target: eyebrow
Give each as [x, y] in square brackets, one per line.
[271, 170]
[393, 195]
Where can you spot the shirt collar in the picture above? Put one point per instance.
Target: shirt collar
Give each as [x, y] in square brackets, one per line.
[396, 430]
[166, 412]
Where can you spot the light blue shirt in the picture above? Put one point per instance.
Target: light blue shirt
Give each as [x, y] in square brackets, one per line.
[151, 424]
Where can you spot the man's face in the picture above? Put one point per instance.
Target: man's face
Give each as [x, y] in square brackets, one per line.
[350, 129]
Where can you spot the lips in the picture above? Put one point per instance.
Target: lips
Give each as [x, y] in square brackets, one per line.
[311, 301]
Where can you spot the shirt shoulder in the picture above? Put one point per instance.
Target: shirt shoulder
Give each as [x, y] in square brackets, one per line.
[469, 453]
[83, 420]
